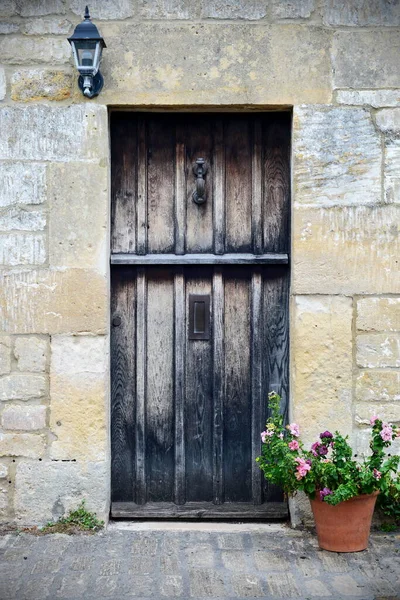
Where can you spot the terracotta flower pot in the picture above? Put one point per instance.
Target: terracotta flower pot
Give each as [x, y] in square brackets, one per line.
[346, 526]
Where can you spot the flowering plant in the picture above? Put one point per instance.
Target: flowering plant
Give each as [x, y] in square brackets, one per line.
[328, 468]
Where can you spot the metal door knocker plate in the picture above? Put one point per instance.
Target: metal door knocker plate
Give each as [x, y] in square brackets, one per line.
[200, 168]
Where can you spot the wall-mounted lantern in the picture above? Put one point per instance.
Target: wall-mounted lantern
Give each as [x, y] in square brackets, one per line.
[87, 46]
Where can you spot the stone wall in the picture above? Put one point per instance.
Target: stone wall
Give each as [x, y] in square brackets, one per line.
[337, 64]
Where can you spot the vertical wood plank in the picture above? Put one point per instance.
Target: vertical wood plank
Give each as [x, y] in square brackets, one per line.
[123, 375]
[218, 384]
[179, 384]
[141, 211]
[276, 183]
[123, 182]
[219, 188]
[141, 385]
[256, 380]
[180, 195]
[256, 204]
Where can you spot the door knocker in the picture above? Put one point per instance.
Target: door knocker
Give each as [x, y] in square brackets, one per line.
[200, 168]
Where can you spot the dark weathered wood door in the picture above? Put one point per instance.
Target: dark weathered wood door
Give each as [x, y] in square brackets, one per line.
[199, 323]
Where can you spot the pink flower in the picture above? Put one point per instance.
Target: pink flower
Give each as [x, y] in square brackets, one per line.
[377, 474]
[294, 445]
[315, 447]
[266, 434]
[386, 433]
[281, 435]
[324, 492]
[302, 468]
[294, 429]
[373, 419]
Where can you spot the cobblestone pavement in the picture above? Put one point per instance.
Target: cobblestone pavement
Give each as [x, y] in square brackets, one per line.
[181, 561]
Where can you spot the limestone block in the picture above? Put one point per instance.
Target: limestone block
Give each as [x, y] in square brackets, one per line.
[374, 98]
[5, 355]
[3, 502]
[8, 8]
[3, 471]
[22, 183]
[78, 387]
[292, 9]
[346, 251]
[47, 490]
[53, 301]
[40, 84]
[322, 364]
[22, 444]
[378, 350]
[27, 418]
[360, 13]
[392, 171]
[51, 133]
[78, 216]
[27, 50]
[229, 69]
[378, 314]
[168, 9]
[378, 386]
[388, 120]
[234, 9]
[362, 437]
[356, 65]
[31, 353]
[20, 218]
[38, 8]
[23, 249]
[18, 386]
[105, 9]
[6, 28]
[3, 85]
[389, 413]
[52, 25]
[337, 157]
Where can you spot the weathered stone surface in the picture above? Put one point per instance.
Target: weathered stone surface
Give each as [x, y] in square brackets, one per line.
[378, 350]
[31, 353]
[292, 9]
[6, 28]
[387, 412]
[139, 71]
[78, 196]
[22, 219]
[322, 370]
[3, 470]
[353, 70]
[38, 8]
[3, 85]
[28, 50]
[53, 301]
[337, 157]
[378, 314]
[54, 133]
[168, 9]
[47, 490]
[374, 98]
[105, 9]
[392, 171]
[22, 444]
[78, 389]
[22, 387]
[346, 251]
[388, 120]
[8, 8]
[378, 386]
[41, 84]
[22, 183]
[234, 9]
[360, 13]
[22, 249]
[362, 437]
[27, 418]
[53, 26]
[5, 355]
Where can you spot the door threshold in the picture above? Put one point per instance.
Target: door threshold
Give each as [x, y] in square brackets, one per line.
[202, 526]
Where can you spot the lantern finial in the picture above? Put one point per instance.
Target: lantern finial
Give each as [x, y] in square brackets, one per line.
[87, 16]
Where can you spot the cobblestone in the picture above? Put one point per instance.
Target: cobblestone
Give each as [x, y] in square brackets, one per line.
[126, 562]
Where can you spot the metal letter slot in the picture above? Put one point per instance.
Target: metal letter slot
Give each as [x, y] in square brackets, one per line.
[199, 317]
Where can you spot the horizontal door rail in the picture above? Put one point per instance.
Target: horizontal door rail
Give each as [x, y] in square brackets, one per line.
[199, 510]
[199, 259]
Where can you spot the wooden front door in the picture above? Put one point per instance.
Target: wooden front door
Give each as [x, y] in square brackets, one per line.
[199, 323]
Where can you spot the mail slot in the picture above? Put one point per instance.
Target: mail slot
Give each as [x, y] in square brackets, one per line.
[199, 317]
